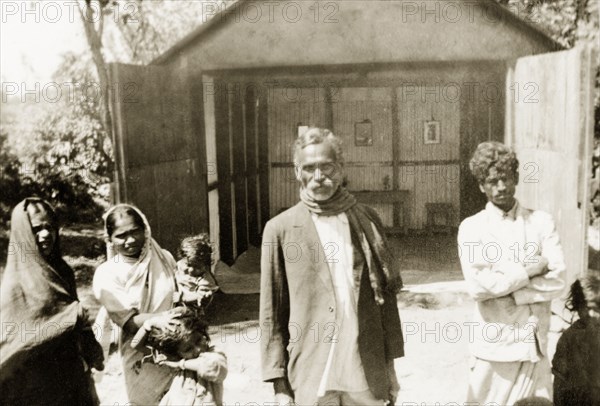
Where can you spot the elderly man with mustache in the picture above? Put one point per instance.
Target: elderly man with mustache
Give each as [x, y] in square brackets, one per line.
[328, 310]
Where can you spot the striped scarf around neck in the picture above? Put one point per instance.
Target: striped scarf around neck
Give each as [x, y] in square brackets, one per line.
[365, 226]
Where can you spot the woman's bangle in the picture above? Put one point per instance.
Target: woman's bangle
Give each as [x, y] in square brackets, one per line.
[182, 364]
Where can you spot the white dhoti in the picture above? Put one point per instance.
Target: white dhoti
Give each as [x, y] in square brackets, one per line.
[504, 383]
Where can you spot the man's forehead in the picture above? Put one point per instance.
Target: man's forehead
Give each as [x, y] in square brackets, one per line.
[318, 153]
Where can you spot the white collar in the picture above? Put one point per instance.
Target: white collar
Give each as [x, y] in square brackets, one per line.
[511, 214]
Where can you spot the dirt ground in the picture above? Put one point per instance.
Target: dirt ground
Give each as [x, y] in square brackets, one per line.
[434, 369]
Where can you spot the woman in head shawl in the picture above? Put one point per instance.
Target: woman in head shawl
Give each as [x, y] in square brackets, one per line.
[136, 286]
[47, 346]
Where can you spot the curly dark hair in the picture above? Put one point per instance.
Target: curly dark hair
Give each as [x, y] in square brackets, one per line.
[584, 295]
[492, 156]
[197, 250]
[167, 341]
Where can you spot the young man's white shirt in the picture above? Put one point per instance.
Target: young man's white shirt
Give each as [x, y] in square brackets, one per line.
[512, 314]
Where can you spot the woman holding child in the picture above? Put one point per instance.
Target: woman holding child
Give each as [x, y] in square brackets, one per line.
[136, 285]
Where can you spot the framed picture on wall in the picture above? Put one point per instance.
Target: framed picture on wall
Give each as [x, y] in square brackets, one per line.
[431, 132]
[363, 133]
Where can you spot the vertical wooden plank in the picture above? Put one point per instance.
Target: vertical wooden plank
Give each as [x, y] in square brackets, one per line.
[398, 209]
[509, 116]
[142, 192]
[213, 207]
[252, 166]
[471, 134]
[116, 106]
[329, 102]
[175, 196]
[212, 178]
[263, 159]
[224, 169]
[587, 86]
[238, 142]
[197, 133]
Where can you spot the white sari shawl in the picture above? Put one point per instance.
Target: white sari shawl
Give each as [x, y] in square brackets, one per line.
[125, 288]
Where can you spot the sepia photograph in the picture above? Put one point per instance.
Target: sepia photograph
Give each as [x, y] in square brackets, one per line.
[300, 202]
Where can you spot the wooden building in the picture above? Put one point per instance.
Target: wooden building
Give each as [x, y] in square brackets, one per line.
[204, 134]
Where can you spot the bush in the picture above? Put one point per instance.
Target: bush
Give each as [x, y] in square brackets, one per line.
[69, 193]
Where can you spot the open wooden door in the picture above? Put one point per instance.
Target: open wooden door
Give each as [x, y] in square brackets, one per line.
[241, 164]
[159, 149]
[549, 122]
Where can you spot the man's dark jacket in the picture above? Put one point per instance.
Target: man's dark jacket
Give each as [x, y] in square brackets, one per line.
[297, 310]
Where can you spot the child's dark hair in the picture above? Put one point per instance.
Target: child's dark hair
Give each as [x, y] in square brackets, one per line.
[584, 295]
[167, 341]
[197, 249]
[120, 212]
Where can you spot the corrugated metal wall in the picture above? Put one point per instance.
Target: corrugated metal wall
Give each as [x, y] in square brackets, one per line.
[287, 108]
[367, 167]
[430, 172]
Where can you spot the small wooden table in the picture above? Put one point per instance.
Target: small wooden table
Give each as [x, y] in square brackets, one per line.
[398, 198]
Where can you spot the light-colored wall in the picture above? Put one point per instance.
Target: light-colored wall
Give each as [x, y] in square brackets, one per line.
[348, 32]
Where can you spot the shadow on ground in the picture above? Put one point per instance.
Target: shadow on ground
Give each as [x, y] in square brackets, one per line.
[427, 258]
[233, 308]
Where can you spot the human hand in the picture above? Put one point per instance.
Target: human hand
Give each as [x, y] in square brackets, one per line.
[189, 297]
[204, 294]
[171, 364]
[536, 266]
[165, 320]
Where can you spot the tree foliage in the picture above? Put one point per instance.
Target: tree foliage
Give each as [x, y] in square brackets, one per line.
[569, 22]
[37, 174]
[138, 31]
